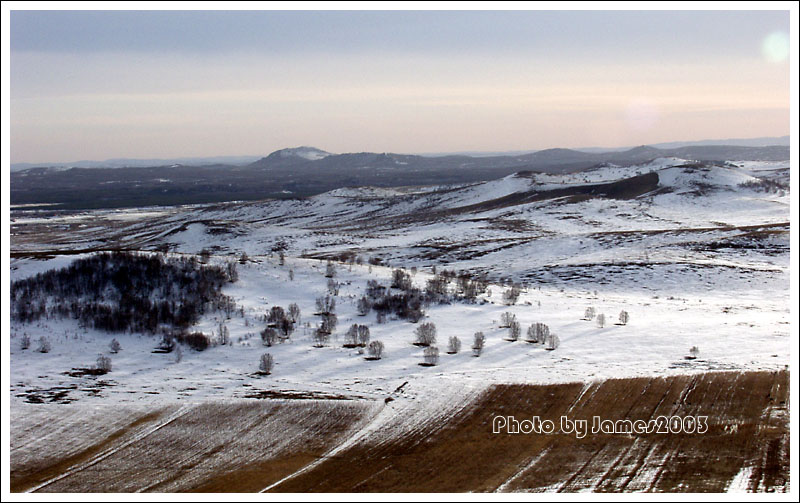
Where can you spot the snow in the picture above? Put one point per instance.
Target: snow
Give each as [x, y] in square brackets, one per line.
[653, 256]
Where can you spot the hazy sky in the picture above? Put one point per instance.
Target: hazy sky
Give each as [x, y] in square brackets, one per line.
[96, 85]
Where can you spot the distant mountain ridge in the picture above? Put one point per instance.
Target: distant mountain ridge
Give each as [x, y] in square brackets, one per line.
[305, 171]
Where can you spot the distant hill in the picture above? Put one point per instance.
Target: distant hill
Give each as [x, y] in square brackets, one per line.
[305, 171]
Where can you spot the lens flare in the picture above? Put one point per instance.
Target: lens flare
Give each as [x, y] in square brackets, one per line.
[775, 47]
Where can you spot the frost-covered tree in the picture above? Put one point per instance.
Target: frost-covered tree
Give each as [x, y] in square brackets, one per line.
[514, 330]
[104, 364]
[243, 258]
[506, 319]
[232, 273]
[601, 320]
[375, 350]
[430, 355]
[426, 334]
[281, 258]
[538, 333]
[694, 352]
[453, 345]
[291, 274]
[266, 364]
[623, 317]
[44, 345]
[178, 354]
[25, 342]
[115, 346]
[588, 314]
[477, 344]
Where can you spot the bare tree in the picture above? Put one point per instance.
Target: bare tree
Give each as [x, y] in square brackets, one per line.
[623, 317]
[281, 258]
[243, 258]
[291, 274]
[588, 314]
[44, 345]
[694, 352]
[333, 287]
[375, 350]
[224, 336]
[104, 364]
[269, 336]
[551, 342]
[514, 330]
[321, 337]
[538, 332]
[453, 345]
[330, 270]
[294, 313]
[328, 323]
[351, 336]
[511, 295]
[430, 356]
[601, 320]
[266, 364]
[25, 342]
[178, 354]
[364, 306]
[363, 335]
[115, 346]
[478, 342]
[426, 334]
[506, 319]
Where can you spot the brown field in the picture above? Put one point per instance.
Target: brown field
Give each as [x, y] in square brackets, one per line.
[287, 446]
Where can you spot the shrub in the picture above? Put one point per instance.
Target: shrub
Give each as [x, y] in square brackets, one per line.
[195, 340]
[25, 342]
[103, 363]
[401, 280]
[589, 313]
[623, 317]
[330, 270]
[321, 337]
[514, 331]
[363, 335]
[363, 306]
[115, 346]
[601, 320]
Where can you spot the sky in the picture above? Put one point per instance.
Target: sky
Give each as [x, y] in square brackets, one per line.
[144, 84]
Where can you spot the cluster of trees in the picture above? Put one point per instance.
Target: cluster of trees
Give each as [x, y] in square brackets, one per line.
[407, 305]
[600, 319]
[465, 287]
[124, 291]
[280, 324]
[357, 336]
